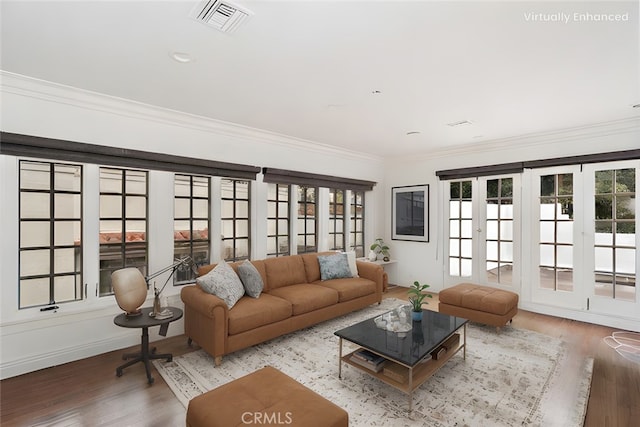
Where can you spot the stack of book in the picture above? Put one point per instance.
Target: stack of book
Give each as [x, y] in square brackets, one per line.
[368, 359]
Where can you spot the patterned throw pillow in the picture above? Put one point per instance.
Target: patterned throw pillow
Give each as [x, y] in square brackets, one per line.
[222, 282]
[251, 279]
[334, 266]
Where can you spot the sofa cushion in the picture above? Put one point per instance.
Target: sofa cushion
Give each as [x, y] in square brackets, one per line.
[306, 297]
[334, 266]
[351, 288]
[251, 313]
[284, 271]
[311, 265]
[222, 282]
[251, 279]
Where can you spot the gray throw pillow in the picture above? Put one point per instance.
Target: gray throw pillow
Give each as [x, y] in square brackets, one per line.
[251, 279]
[222, 282]
[334, 266]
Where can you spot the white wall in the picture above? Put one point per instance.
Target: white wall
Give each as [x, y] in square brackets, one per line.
[30, 339]
[423, 261]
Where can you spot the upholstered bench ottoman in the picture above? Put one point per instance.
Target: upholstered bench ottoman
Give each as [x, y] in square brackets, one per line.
[481, 304]
[264, 397]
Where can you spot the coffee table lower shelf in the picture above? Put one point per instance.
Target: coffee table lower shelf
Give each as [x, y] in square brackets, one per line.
[415, 375]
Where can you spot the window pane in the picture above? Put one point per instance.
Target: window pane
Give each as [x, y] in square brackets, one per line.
[34, 292]
[110, 180]
[454, 228]
[625, 262]
[454, 249]
[454, 209]
[182, 186]
[34, 205]
[466, 248]
[626, 181]
[492, 251]
[506, 230]
[466, 230]
[492, 230]
[34, 176]
[625, 207]
[110, 206]
[34, 234]
[506, 251]
[547, 255]
[201, 187]
[64, 288]
[492, 188]
[604, 260]
[604, 182]
[34, 262]
[565, 184]
[66, 233]
[68, 206]
[68, 177]
[181, 208]
[492, 210]
[136, 207]
[548, 185]
[564, 232]
[465, 267]
[136, 182]
[242, 209]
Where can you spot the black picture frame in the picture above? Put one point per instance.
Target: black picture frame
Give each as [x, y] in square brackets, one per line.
[410, 213]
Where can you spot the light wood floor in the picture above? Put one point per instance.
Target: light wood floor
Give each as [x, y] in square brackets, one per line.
[88, 393]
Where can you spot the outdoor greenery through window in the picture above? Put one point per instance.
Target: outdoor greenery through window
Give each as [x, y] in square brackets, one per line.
[460, 228]
[278, 207]
[499, 239]
[615, 233]
[556, 232]
[235, 219]
[191, 223]
[50, 233]
[357, 222]
[336, 219]
[307, 220]
[123, 223]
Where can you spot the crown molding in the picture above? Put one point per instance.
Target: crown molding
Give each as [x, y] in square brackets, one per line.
[26, 86]
[538, 139]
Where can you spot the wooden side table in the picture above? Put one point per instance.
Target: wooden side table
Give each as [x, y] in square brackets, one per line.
[144, 321]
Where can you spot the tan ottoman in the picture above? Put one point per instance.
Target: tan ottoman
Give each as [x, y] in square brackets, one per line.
[265, 397]
[481, 304]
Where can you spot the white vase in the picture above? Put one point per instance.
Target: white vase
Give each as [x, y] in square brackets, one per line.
[372, 256]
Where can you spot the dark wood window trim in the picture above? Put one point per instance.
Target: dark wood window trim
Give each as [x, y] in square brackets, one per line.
[56, 149]
[518, 167]
[281, 176]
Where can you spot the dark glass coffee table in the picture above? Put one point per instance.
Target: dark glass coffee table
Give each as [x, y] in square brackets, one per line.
[411, 357]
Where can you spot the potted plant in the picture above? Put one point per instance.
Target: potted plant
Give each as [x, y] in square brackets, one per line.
[380, 247]
[416, 298]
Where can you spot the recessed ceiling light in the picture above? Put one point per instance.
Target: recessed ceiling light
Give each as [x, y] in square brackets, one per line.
[376, 92]
[181, 57]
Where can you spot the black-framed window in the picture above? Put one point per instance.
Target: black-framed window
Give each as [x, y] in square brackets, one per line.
[50, 233]
[357, 222]
[499, 231]
[336, 219]
[191, 216]
[123, 223]
[235, 216]
[278, 222]
[307, 219]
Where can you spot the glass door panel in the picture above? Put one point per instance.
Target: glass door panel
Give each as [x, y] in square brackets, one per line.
[613, 238]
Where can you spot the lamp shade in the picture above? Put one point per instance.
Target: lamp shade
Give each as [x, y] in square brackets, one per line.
[129, 288]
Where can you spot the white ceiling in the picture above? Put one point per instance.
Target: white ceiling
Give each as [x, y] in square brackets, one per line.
[309, 69]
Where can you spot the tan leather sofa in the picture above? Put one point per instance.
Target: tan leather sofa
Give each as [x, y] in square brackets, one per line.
[293, 298]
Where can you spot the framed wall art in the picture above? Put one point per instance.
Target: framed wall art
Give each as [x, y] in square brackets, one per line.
[410, 213]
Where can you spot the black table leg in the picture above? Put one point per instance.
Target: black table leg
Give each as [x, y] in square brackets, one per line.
[143, 356]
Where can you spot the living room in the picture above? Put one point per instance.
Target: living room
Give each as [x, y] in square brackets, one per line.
[501, 113]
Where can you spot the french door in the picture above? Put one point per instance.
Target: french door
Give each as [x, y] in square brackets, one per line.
[483, 242]
[556, 240]
[611, 238]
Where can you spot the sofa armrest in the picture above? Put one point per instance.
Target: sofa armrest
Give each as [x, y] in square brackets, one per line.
[204, 303]
[372, 271]
[205, 319]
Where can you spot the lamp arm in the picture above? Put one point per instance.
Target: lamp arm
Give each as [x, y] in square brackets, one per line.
[173, 267]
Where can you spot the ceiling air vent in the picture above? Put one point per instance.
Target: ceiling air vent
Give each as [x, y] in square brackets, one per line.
[222, 15]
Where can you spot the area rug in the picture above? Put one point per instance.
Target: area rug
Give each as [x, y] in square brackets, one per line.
[505, 380]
